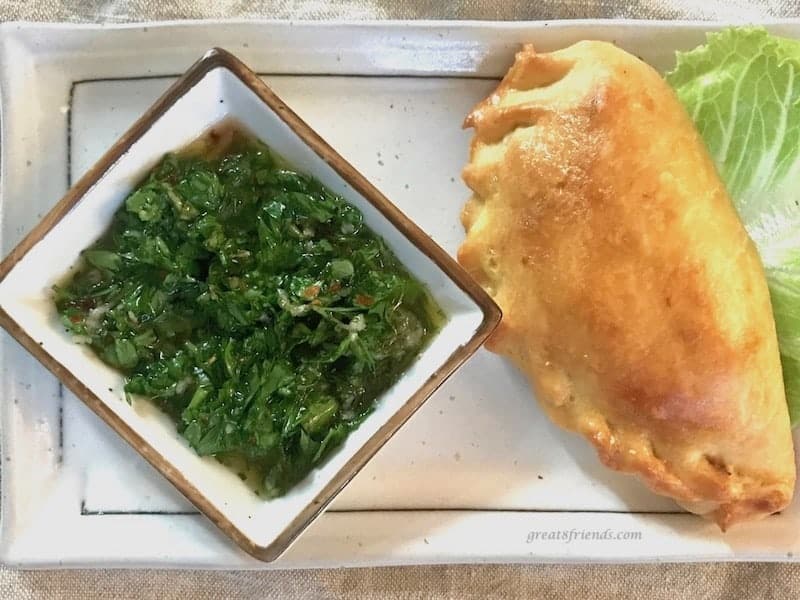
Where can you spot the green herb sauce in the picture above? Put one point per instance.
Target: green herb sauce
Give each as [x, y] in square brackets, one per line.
[251, 304]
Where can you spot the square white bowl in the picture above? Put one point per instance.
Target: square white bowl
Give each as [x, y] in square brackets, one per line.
[218, 88]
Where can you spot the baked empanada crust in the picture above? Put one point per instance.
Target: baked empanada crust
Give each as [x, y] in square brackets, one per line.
[632, 296]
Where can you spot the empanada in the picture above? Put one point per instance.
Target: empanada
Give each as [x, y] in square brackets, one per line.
[632, 296]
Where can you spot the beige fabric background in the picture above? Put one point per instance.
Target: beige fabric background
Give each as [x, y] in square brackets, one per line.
[654, 582]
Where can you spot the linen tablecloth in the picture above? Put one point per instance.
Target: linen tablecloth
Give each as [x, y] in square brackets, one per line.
[486, 581]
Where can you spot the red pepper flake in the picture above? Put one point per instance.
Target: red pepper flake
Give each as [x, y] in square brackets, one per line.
[335, 287]
[75, 319]
[311, 292]
[364, 300]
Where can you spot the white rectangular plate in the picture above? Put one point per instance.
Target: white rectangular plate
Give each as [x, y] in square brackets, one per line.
[479, 474]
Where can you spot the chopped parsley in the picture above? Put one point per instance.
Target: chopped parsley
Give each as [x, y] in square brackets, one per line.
[252, 305]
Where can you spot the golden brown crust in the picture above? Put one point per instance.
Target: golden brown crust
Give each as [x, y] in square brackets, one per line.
[632, 296]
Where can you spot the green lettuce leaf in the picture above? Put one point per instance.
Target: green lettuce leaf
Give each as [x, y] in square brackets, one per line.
[742, 89]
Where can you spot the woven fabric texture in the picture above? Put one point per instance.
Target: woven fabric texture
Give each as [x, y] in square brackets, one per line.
[154, 10]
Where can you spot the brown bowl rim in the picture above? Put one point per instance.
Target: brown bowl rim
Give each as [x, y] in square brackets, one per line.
[219, 58]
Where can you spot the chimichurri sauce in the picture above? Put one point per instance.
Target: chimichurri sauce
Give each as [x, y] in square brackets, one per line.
[251, 304]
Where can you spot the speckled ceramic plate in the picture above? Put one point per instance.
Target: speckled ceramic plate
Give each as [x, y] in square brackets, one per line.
[478, 474]
[217, 92]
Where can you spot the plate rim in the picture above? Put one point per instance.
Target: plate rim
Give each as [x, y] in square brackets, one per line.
[402, 24]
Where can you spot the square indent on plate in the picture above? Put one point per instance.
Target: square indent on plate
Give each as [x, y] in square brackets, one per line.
[218, 88]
